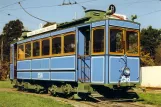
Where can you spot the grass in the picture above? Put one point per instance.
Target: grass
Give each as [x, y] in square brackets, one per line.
[15, 99]
[6, 84]
[9, 99]
[151, 98]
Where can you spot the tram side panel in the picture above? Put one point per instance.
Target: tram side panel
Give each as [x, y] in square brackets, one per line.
[61, 68]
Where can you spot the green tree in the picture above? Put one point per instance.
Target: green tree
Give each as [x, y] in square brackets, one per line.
[158, 55]
[11, 31]
[146, 59]
[150, 39]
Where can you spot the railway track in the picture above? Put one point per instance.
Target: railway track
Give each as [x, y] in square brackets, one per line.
[91, 102]
[106, 102]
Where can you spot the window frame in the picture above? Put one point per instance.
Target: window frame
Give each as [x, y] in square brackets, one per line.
[98, 53]
[109, 42]
[69, 53]
[40, 54]
[131, 54]
[50, 46]
[25, 49]
[22, 44]
[51, 43]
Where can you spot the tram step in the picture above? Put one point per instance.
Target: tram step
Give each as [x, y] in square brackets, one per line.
[96, 95]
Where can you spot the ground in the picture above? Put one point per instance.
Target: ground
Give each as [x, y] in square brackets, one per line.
[10, 97]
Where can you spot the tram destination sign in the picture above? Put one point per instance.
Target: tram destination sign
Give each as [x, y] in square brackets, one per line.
[42, 30]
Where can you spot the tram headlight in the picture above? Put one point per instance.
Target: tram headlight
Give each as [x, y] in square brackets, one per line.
[126, 71]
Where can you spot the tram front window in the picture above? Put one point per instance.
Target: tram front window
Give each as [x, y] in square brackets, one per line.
[116, 40]
[132, 42]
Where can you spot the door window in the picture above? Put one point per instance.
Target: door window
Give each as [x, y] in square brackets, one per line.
[98, 41]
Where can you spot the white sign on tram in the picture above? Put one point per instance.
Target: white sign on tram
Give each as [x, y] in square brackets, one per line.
[42, 30]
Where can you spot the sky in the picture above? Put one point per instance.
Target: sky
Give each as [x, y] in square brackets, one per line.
[148, 11]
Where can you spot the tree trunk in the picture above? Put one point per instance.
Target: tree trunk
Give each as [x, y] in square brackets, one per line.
[1, 54]
[2, 50]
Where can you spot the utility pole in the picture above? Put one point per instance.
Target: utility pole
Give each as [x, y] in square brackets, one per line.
[75, 18]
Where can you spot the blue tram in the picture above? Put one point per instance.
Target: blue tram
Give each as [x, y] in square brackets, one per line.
[97, 49]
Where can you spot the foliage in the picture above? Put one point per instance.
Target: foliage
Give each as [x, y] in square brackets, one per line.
[146, 59]
[158, 55]
[11, 31]
[9, 99]
[4, 71]
[150, 39]
[48, 24]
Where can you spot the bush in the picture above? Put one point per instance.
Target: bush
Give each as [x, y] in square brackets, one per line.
[4, 70]
[146, 59]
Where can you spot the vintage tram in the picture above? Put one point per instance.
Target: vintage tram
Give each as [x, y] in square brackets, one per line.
[98, 50]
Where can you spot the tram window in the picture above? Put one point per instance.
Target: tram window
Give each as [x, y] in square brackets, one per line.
[98, 40]
[36, 48]
[21, 52]
[27, 50]
[132, 42]
[45, 47]
[56, 45]
[116, 40]
[69, 43]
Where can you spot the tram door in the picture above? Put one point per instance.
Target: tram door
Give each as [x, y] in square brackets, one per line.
[84, 58]
[13, 61]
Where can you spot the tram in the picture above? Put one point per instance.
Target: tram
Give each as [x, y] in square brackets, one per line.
[99, 49]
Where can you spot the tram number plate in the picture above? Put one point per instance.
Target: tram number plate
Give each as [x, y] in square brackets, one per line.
[40, 75]
[125, 79]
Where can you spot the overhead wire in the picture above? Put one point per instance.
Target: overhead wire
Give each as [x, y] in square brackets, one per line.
[131, 3]
[22, 19]
[139, 1]
[150, 13]
[84, 8]
[69, 3]
[11, 4]
[78, 3]
[48, 6]
[33, 15]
